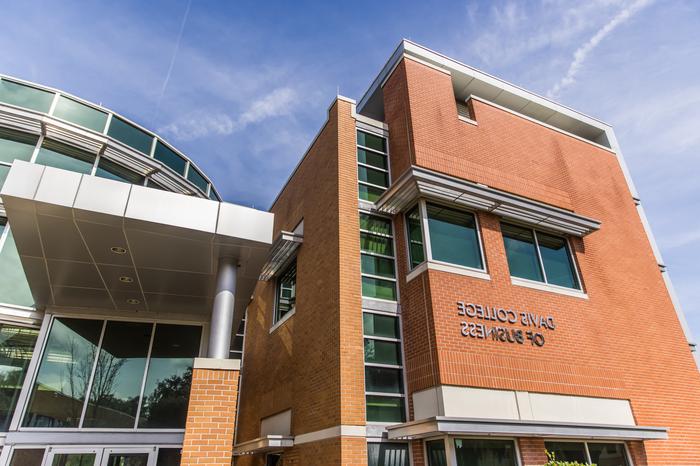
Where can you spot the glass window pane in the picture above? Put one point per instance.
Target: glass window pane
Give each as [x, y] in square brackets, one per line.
[521, 252]
[169, 158]
[474, 452]
[382, 352]
[608, 454]
[167, 390]
[199, 181]
[237, 343]
[112, 171]
[14, 288]
[64, 372]
[4, 171]
[59, 155]
[379, 325]
[435, 451]
[212, 195]
[382, 379]
[385, 409]
[558, 266]
[415, 237]
[25, 96]
[286, 291]
[16, 348]
[116, 385]
[80, 114]
[453, 236]
[73, 459]
[371, 158]
[127, 459]
[387, 454]
[567, 451]
[369, 175]
[27, 457]
[380, 266]
[16, 146]
[379, 225]
[370, 193]
[169, 457]
[130, 135]
[376, 288]
[376, 244]
[372, 141]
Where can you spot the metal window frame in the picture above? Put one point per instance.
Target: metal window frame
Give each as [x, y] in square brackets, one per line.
[453, 450]
[585, 442]
[276, 317]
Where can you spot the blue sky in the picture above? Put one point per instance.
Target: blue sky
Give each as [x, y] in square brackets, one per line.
[243, 87]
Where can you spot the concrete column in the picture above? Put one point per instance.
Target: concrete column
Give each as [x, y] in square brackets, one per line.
[222, 311]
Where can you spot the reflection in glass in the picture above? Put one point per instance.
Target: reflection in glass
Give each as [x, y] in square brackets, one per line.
[80, 114]
[16, 348]
[372, 158]
[169, 158]
[567, 451]
[453, 236]
[286, 291]
[371, 176]
[558, 266]
[73, 459]
[379, 325]
[169, 457]
[379, 266]
[25, 96]
[169, 377]
[112, 171]
[415, 237]
[382, 352]
[130, 135]
[371, 141]
[387, 454]
[116, 385]
[27, 457]
[477, 452]
[436, 453]
[127, 459]
[369, 193]
[521, 252]
[377, 288]
[16, 146]
[383, 380]
[385, 409]
[197, 178]
[4, 171]
[59, 155]
[608, 454]
[14, 288]
[64, 372]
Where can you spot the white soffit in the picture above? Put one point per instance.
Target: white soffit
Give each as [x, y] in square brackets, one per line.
[168, 245]
[420, 182]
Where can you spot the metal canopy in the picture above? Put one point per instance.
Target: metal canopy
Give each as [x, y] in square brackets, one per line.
[421, 182]
[282, 250]
[88, 242]
[440, 425]
[263, 444]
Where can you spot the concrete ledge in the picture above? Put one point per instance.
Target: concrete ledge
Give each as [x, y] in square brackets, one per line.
[263, 444]
[219, 364]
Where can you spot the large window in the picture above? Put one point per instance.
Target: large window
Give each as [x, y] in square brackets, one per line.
[534, 255]
[80, 114]
[601, 454]
[481, 452]
[14, 288]
[111, 374]
[14, 146]
[130, 135]
[16, 349]
[372, 166]
[387, 454]
[25, 96]
[452, 236]
[59, 155]
[377, 248]
[286, 292]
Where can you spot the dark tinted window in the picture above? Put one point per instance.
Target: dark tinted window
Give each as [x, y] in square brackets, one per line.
[169, 158]
[130, 135]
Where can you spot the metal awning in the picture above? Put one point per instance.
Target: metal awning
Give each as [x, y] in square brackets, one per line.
[420, 182]
[282, 250]
[264, 444]
[440, 425]
[89, 242]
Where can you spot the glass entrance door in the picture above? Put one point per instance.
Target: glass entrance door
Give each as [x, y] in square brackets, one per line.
[73, 457]
[100, 456]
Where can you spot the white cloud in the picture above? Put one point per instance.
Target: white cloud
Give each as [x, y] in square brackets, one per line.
[279, 102]
[581, 54]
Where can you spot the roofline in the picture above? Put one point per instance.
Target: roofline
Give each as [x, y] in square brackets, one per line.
[409, 47]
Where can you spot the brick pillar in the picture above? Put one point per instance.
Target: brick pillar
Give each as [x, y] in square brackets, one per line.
[532, 451]
[639, 455]
[211, 414]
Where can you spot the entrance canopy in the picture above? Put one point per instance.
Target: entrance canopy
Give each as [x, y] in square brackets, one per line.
[89, 242]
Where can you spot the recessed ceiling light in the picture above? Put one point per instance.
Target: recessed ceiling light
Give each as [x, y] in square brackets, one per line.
[117, 250]
[133, 301]
[125, 279]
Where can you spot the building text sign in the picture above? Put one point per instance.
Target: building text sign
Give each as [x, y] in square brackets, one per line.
[503, 324]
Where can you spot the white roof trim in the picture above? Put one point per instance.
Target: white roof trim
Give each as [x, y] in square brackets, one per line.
[282, 250]
[420, 182]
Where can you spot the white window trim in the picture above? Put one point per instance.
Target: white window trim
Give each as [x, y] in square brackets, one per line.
[282, 320]
[541, 286]
[447, 267]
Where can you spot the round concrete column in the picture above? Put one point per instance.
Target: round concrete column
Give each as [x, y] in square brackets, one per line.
[222, 312]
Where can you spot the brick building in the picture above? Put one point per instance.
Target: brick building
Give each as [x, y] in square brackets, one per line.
[458, 272]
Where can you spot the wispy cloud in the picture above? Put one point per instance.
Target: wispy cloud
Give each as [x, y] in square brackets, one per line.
[278, 103]
[174, 57]
[582, 53]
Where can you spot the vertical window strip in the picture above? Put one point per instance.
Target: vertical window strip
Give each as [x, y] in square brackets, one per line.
[372, 166]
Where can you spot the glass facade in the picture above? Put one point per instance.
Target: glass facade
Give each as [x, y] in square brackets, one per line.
[85, 356]
[197, 179]
[169, 158]
[16, 349]
[58, 155]
[25, 96]
[387, 454]
[372, 166]
[14, 289]
[130, 135]
[479, 452]
[80, 114]
[14, 146]
[377, 257]
[416, 250]
[538, 256]
[112, 171]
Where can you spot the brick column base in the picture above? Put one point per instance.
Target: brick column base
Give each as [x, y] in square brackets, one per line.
[211, 414]
[532, 451]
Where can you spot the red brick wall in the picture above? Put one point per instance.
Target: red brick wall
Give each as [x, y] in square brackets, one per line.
[211, 417]
[624, 341]
[532, 452]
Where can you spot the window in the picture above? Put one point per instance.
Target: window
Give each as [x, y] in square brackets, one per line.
[112, 171]
[25, 96]
[169, 158]
[435, 451]
[130, 135]
[479, 452]
[80, 114]
[377, 257]
[387, 454]
[16, 349]
[197, 179]
[416, 251]
[91, 375]
[385, 409]
[59, 155]
[538, 256]
[602, 454]
[14, 146]
[27, 456]
[14, 288]
[372, 166]
[286, 292]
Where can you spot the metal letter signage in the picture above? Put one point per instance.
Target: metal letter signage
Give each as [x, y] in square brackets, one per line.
[535, 324]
